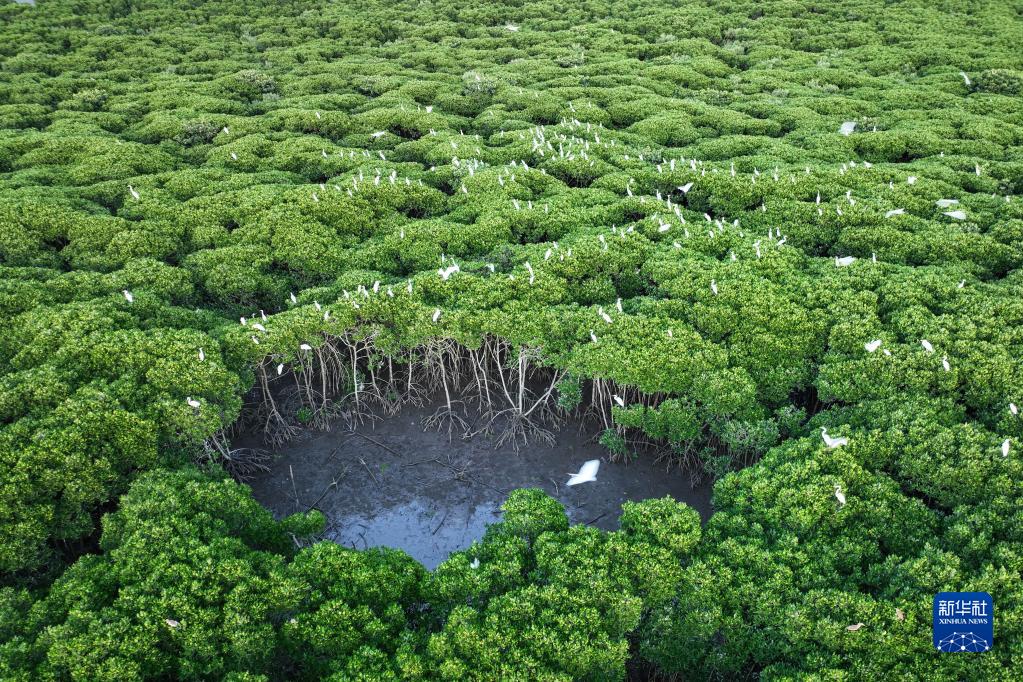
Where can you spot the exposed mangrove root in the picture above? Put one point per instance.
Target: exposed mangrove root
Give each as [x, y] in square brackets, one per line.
[241, 463]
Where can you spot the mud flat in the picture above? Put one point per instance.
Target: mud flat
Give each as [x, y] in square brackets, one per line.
[400, 486]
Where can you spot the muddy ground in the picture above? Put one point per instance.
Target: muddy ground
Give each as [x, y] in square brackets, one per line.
[401, 486]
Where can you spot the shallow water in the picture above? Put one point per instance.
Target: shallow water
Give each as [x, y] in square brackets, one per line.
[428, 495]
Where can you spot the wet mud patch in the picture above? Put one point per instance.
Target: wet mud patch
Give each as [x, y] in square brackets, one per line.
[390, 483]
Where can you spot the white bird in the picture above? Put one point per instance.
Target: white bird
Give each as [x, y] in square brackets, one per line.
[586, 474]
[593, 337]
[134, 193]
[927, 345]
[280, 369]
[618, 304]
[714, 287]
[1013, 409]
[258, 326]
[944, 363]
[234, 156]
[378, 134]
[171, 622]
[192, 402]
[293, 299]
[436, 314]
[604, 316]
[911, 180]
[1005, 448]
[966, 79]
[512, 27]
[945, 203]
[854, 628]
[844, 261]
[958, 215]
[839, 495]
[833, 443]
[873, 345]
[618, 399]
[429, 108]
[894, 212]
[305, 346]
[475, 563]
[202, 355]
[685, 188]
[847, 127]
[128, 296]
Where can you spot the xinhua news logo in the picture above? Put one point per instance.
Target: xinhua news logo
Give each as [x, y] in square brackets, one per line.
[963, 622]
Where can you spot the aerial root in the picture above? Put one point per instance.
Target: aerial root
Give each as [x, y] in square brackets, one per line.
[445, 416]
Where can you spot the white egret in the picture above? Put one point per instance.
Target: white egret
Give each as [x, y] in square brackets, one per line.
[593, 337]
[847, 127]
[872, 345]
[586, 474]
[944, 363]
[911, 180]
[134, 193]
[436, 314]
[128, 296]
[475, 563]
[927, 345]
[945, 203]
[966, 79]
[957, 215]
[714, 287]
[202, 355]
[854, 628]
[619, 400]
[1013, 409]
[833, 443]
[378, 134]
[171, 622]
[234, 156]
[192, 402]
[305, 347]
[512, 27]
[844, 261]
[894, 212]
[1005, 447]
[839, 495]
[685, 188]
[280, 369]
[293, 299]
[618, 304]
[257, 325]
[604, 316]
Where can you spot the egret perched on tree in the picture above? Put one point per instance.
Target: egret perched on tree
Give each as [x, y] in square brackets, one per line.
[957, 215]
[436, 314]
[305, 347]
[618, 399]
[714, 287]
[475, 563]
[854, 628]
[839, 495]
[280, 369]
[1013, 409]
[128, 296]
[833, 443]
[894, 212]
[872, 346]
[378, 134]
[512, 27]
[193, 403]
[944, 363]
[171, 622]
[202, 355]
[618, 304]
[966, 79]
[844, 261]
[945, 203]
[685, 188]
[847, 128]
[604, 316]
[586, 474]
[134, 193]
[1005, 447]
[593, 337]
[927, 345]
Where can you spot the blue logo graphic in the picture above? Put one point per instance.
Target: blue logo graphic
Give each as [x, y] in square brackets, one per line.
[964, 621]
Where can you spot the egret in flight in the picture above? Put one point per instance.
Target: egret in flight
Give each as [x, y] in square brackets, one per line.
[586, 474]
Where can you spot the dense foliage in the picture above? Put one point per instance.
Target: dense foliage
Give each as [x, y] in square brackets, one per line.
[648, 209]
